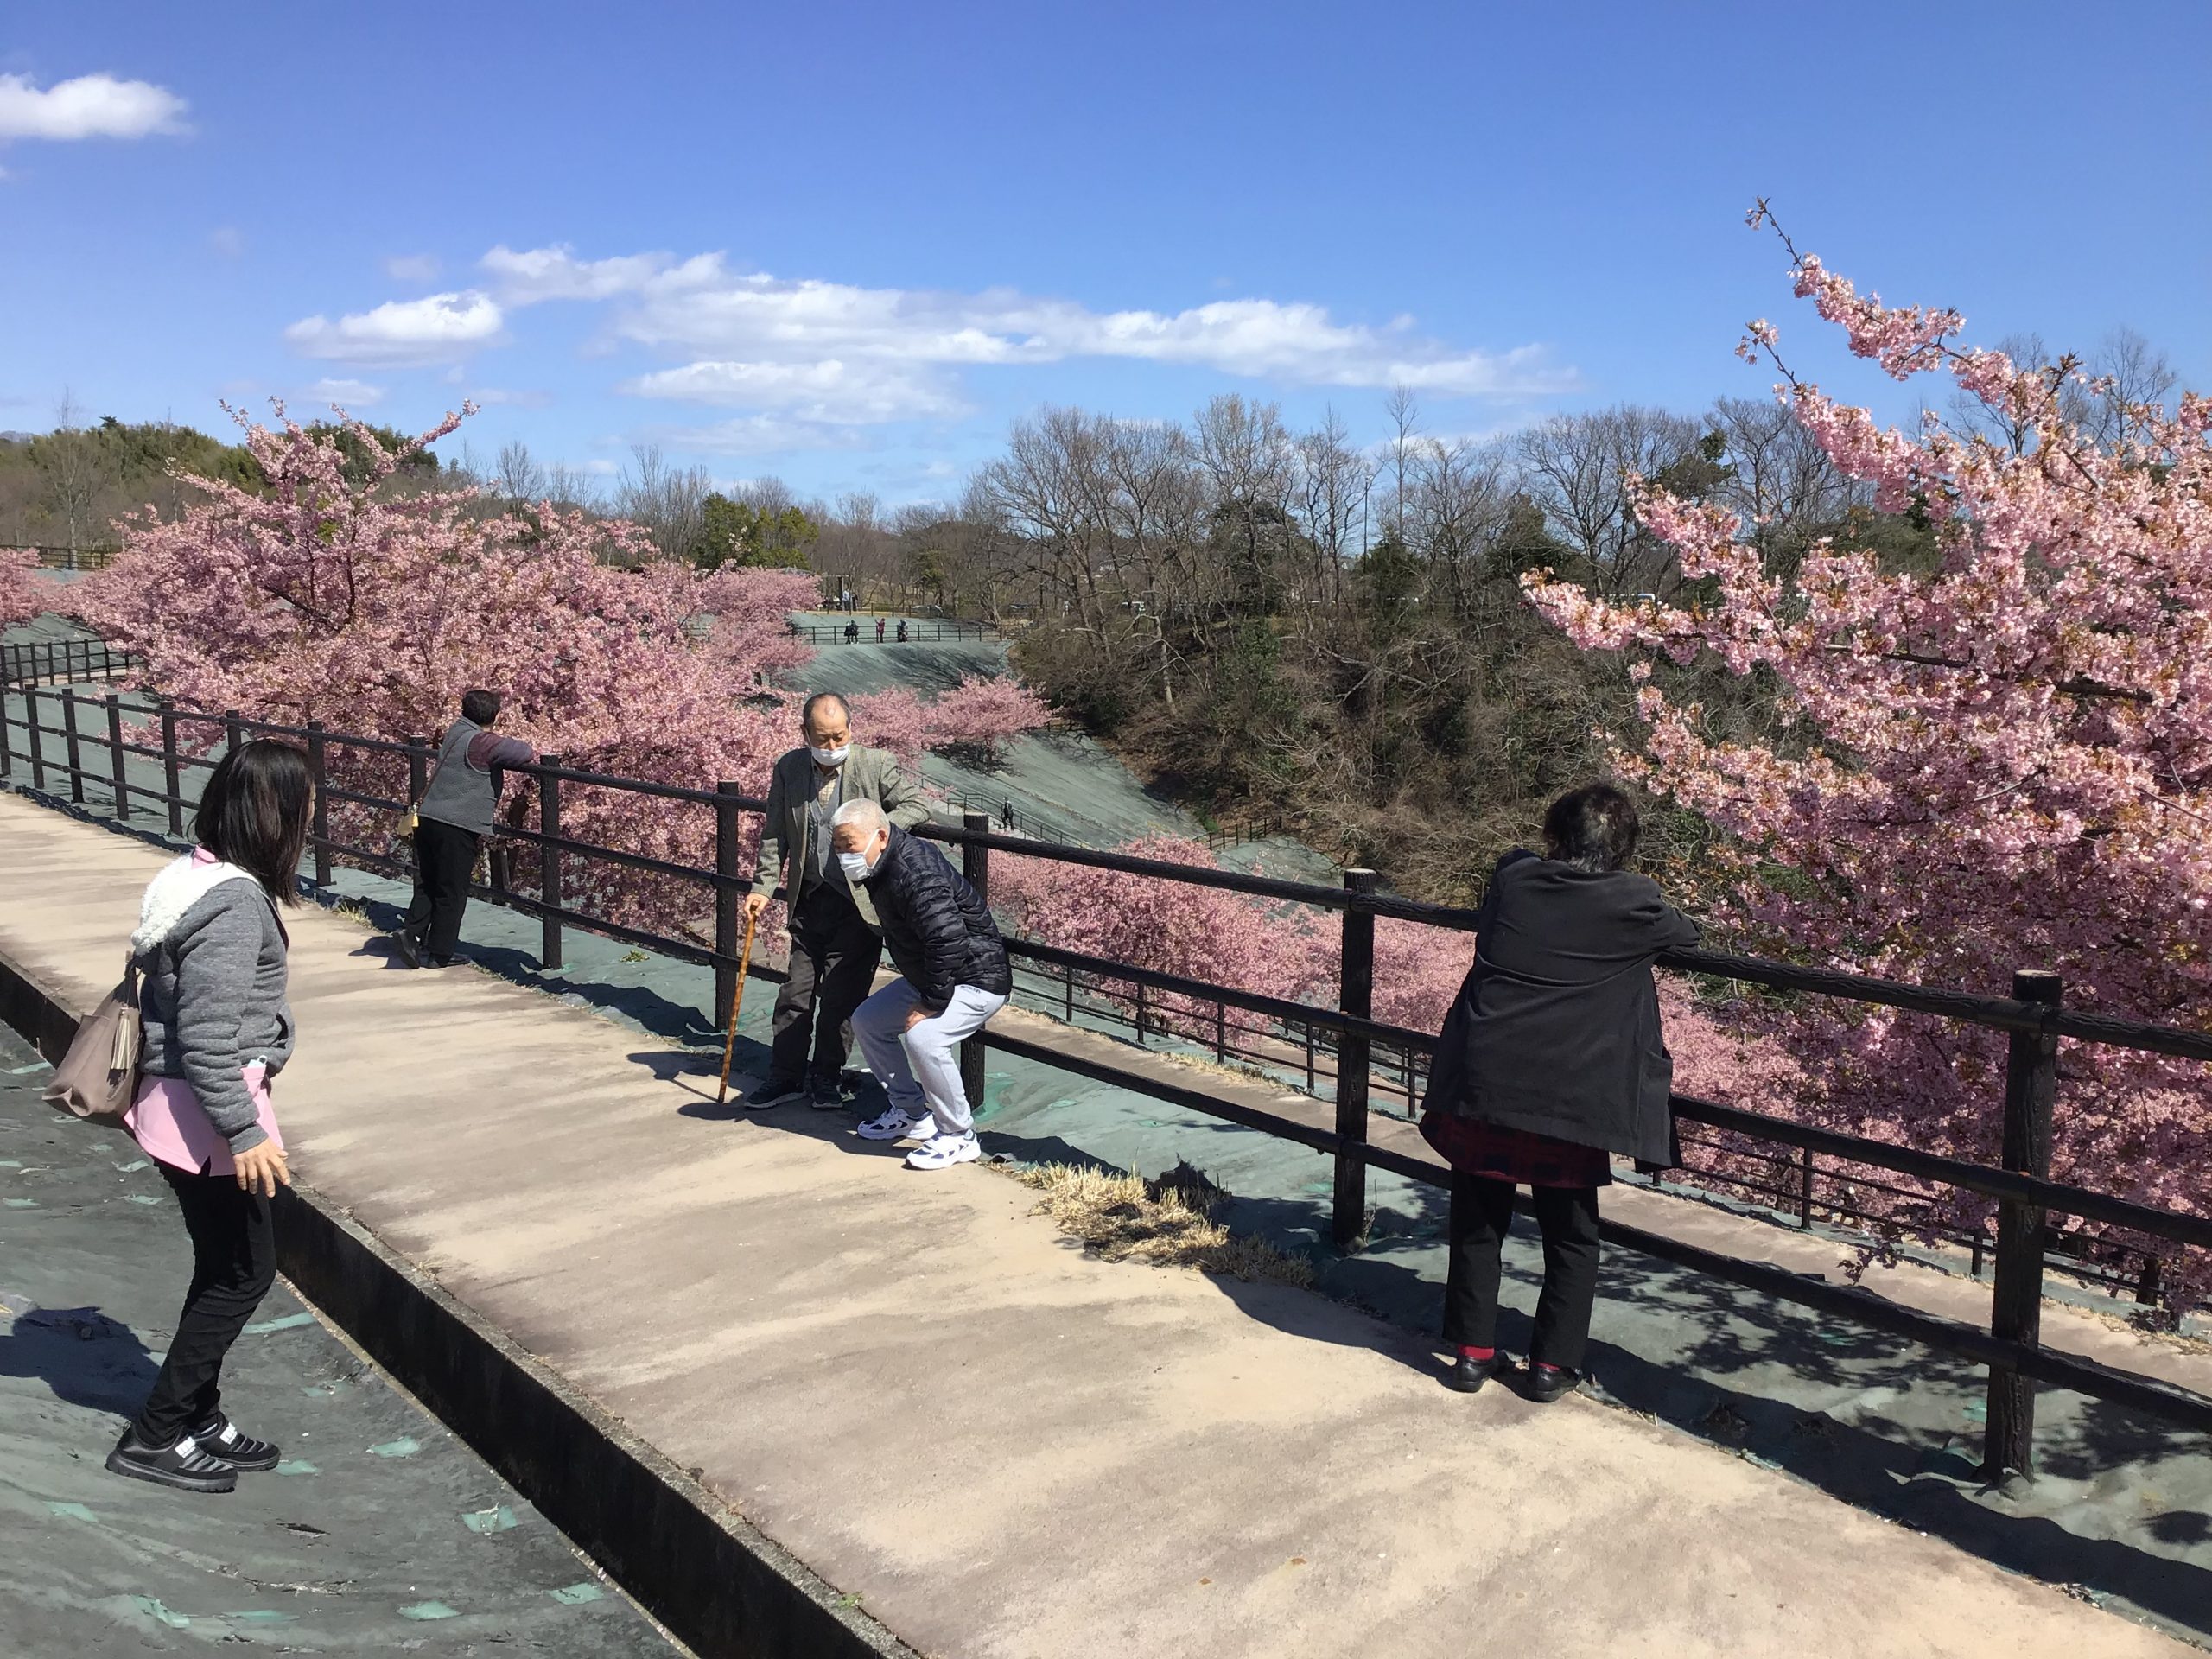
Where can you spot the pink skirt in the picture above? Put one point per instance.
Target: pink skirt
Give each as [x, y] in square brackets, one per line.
[170, 1124]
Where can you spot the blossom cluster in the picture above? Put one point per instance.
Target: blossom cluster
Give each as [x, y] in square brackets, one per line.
[2002, 762]
[332, 595]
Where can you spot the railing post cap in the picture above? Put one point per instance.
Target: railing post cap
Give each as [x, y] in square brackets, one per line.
[2037, 984]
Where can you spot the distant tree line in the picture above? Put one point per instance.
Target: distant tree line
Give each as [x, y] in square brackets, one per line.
[1262, 618]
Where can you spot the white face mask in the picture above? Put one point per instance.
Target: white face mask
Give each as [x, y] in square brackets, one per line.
[854, 865]
[830, 757]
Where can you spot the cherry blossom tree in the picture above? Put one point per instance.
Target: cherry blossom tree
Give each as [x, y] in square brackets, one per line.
[2005, 761]
[1228, 939]
[330, 596]
[22, 593]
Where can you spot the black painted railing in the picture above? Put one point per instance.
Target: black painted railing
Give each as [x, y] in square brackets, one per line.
[932, 632]
[63, 662]
[2033, 1016]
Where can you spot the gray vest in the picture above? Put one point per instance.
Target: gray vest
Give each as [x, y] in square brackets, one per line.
[459, 794]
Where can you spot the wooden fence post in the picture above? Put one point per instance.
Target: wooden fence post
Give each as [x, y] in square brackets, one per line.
[171, 781]
[69, 741]
[172, 784]
[2015, 1302]
[233, 731]
[319, 768]
[116, 752]
[975, 865]
[549, 863]
[38, 743]
[1355, 997]
[728, 940]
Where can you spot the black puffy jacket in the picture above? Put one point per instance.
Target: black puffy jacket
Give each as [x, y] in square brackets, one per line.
[938, 932]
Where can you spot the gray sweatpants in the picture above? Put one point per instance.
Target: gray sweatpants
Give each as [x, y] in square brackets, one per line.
[922, 1066]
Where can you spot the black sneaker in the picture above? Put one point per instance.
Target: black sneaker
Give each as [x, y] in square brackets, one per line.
[1545, 1384]
[183, 1465]
[774, 1092]
[828, 1095]
[219, 1438]
[1468, 1376]
[410, 948]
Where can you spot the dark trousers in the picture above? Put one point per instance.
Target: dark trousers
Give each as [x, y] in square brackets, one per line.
[445, 859]
[1481, 1214]
[233, 1264]
[833, 956]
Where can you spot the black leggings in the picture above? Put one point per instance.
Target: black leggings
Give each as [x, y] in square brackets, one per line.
[233, 1264]
[1481, 1214]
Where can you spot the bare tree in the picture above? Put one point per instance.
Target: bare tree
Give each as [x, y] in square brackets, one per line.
[668, 501]
[518, 476]
[1575, 468]
[74, 465]
[1779, 480]
[1329, 494]
[1404, 414]
[2132, 379]
[571, 487]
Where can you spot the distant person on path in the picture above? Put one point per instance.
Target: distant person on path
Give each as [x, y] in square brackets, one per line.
[835, 945]
[451, 821]
[1549, 1061]
[211, 951]
[902, 630]
[852, 633]
[953, 977]
[879, 630]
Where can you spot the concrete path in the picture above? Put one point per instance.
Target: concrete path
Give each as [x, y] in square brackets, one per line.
[378, 1533]
[1002, 1446]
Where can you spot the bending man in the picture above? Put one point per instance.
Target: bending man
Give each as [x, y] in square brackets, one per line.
[834, 945]
[954, 976]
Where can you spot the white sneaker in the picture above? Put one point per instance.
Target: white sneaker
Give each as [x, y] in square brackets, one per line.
[943, 1151]
[898, 1124]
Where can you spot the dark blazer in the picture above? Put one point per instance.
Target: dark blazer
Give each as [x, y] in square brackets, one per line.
[1556, 1028]
[937, 929]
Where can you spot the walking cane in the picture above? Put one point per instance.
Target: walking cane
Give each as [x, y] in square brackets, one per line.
[736, 1000]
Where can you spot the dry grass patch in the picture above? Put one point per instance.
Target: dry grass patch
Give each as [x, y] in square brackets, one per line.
[1170, 1221]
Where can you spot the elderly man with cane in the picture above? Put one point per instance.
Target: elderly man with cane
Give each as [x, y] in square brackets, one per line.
[835, 948]
[954, 975]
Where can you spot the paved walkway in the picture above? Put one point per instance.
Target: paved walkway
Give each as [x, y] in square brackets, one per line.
[1003, 1446]
[378, 1533]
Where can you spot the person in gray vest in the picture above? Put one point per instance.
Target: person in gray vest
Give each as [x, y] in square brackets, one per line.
[451, 821]
[835, 939]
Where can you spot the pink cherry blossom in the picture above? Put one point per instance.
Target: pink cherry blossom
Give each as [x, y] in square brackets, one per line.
[2004, 762]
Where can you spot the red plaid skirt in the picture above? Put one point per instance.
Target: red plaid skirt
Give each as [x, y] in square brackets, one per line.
[1520, 1156]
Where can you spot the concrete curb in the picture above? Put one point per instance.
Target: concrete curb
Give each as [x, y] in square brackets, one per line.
[723, 1587]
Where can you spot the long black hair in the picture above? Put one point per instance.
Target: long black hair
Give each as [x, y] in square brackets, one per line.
[254, 813]
[1594, 829]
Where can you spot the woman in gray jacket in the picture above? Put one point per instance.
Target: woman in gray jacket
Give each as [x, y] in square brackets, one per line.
[210, 949]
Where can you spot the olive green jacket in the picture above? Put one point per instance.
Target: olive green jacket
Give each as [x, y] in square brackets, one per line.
[869, 775]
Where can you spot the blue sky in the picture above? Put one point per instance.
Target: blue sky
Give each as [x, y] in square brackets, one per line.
[848, 244]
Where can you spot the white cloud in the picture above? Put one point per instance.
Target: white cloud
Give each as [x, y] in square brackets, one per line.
[747, 333]
[401, 333]
[413, 267]
[831, 392]
[763, 435]
[555, 273]
[91, 106]
[347, 394]
[488, 396]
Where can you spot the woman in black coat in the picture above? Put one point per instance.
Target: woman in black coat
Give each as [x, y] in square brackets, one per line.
[1549, 1062]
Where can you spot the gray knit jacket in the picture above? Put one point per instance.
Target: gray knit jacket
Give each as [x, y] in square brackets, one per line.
[211, 955]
